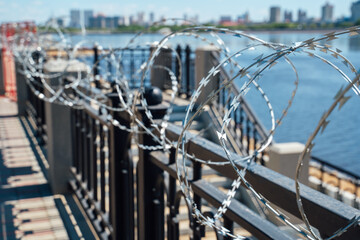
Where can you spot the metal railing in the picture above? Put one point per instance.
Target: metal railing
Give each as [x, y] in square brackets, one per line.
[36, 110]
[103, 172]
[112, 212]
[103, 181]
[246, 128]
[110, 183]
[131, 61]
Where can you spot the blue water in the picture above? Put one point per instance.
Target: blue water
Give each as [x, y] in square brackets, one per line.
[339, 144]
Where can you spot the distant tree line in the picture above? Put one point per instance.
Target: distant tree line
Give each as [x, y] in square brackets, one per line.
[254, 26]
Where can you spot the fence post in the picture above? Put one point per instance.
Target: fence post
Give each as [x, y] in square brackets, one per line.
[2, 84]
[203, 64]
[150, 196]
[21, 87]
[283, 158]
[160, 77]
[8, 69]
[121, 176]
[59, 130]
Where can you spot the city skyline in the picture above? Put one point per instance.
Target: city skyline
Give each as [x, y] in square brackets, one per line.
[40, 11]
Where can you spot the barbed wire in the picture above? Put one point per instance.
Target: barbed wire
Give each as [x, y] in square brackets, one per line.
[30, 51]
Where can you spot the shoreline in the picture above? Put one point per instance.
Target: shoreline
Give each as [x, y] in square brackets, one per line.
[273, 31]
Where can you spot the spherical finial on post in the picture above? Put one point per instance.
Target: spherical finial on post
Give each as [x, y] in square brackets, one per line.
[153, 95]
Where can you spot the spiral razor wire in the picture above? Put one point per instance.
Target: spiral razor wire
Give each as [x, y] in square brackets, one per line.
[30, 50]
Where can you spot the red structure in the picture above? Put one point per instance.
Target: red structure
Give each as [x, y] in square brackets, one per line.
[8, 32]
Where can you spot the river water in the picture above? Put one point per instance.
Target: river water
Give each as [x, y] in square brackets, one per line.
[318, 84]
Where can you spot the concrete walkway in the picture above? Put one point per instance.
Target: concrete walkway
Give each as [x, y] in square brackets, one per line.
[27, 207]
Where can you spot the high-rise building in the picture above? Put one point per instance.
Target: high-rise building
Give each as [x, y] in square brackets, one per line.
[151, 18]
[302, 16]
[327, 13]
[140, 18]
[87, 15]
[243, 19]
[109, 22]
[121, 21]
[117, 20]
[288, 16]
[131, 20]
[195, 19]
[75, 19]
[355, 11]
[275, 15]
[127, 20]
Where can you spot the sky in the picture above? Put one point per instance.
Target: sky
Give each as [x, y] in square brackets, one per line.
[41, 10]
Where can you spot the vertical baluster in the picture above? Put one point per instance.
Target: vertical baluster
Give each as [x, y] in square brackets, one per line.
[43, 122]
[187, 65]
[223, 100]
[77, 140]
[85, 140]
[102, 168]
[107, 173]
[143, 60]
[37, 115]
[81, 145]
[92, 155]
[177, 68]
[322, 177]
[228, 224]
[356, 189]
[227, 99]
[248, 132]
[96, 66]
[241, 125]
[235, 122]
[40, 118]
[255, 140]
[218, 99]
[261, 157]
[121, 65]
[172, 222]
[132, 67]
[89, 151]
[75, 125]
[109, 70]
[198, 230]
[96, 138]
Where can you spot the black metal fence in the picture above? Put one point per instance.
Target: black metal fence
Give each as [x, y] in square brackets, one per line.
[103, 162]
[36, 110]
[246, 128]
[104, 183]
[103, 172]
[127, 64]
[116, 191]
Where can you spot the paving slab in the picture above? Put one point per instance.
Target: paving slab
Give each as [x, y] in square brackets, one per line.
[27, 206]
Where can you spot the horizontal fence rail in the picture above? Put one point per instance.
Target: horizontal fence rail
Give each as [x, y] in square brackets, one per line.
[127, 193]
[279, 189]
